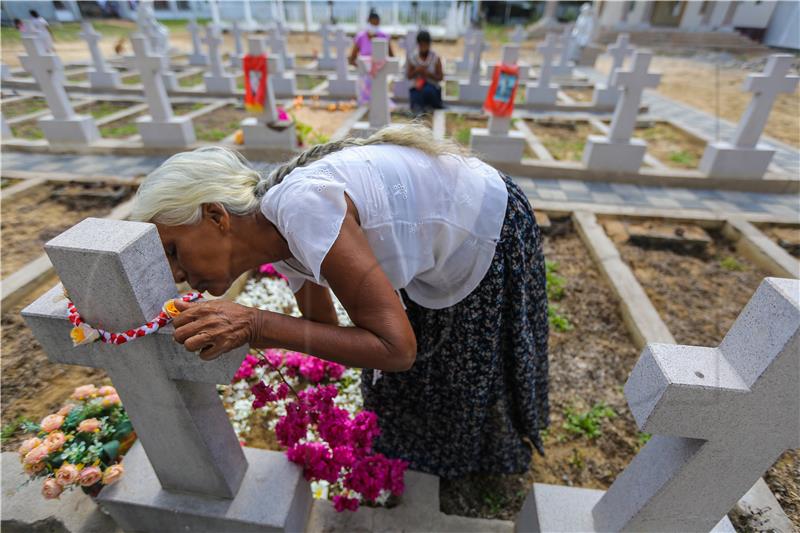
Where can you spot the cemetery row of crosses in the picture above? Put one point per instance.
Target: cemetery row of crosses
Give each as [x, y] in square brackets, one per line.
[674, 328]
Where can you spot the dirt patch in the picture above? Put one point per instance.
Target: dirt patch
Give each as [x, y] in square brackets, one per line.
[32, 218]
[670, 145]
[323, 123]
[22, 107]
[564, 140]
[121, 128]
[306, 82]
[79, 77]
[787, 237]
[185, 108]
[105, 108]
[458, 127]
[699, 297]
[582, 95]
[131, 80]
[191, 80]
[34, 387]
[588, 366]
[215, 126]
[28, 130]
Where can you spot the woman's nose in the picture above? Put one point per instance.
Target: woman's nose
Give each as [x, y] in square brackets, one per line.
[178, 274]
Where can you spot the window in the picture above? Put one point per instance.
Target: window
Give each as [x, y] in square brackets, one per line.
[183, 5]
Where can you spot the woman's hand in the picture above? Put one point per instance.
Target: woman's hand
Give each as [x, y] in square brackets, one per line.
[214, 327]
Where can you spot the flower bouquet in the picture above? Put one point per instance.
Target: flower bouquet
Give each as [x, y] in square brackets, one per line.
[80, 445]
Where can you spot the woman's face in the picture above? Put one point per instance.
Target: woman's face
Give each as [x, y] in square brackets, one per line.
[200, 254]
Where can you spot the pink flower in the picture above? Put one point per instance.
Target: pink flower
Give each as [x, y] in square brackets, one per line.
[64, 411]
[90, 475]
[312, 369]
[106, 390]
[67, 474]
[54, 441]
[316, 460]
[27, 445]
[89, 425]
[113, 473]
[282, 114]
[83, 392]
[335, 370]
[342, 503]
[268, 270]
[51, 489]
[111, 399]
[36, 455]
[51, 422]
[34, 468]
[274, 358]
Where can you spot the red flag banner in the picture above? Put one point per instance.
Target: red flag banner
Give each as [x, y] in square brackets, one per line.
[255, 82]
[503, 90]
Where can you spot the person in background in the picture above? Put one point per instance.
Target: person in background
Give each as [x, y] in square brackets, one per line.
[424, 68]
[37, 23]
[19, 25]
[362, 46]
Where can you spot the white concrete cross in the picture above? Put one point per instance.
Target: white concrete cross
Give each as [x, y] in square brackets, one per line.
[326, 61]
[150, 66]
[463, 64]
[563, 67]
[101, 77]
[765, 87]
[501, 125]
[410, 42]
[543, 92]
[476, 49]
[197, 57]
[618, 52]
[632, 83]
[720, 418]
[379, 97]
[518, 37]
[277, 44]
[248, 23]
[117, 275]
[47, 70]
[236, 58]
[341, 42]
[215, 18]
[217, 81]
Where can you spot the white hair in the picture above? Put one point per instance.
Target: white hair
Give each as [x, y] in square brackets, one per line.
[174, 193]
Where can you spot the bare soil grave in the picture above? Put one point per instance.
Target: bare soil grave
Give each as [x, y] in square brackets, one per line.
[582, 95]
[218, 124]
[699, 296]
[22, 107]
[32, 218]
[670, 145]
[322, 121]
[458, 127]
[787, 236]
[565, 140]
[592, 435]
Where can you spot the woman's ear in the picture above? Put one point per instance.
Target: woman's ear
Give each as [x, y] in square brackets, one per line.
[217, 215]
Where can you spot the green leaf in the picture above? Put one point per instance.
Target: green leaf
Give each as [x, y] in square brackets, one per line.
[124, 429]
[110, 451]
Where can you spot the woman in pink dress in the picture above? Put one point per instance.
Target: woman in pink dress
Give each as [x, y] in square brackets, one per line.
[362, 46]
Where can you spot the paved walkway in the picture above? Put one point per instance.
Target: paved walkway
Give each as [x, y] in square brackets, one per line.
[708, 126]
[610, 194]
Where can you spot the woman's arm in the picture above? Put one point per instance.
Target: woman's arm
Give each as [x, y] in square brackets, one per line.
[353, 55]
[382, 337]
[315, 303]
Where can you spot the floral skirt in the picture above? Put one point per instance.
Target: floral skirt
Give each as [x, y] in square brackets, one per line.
[476, 397]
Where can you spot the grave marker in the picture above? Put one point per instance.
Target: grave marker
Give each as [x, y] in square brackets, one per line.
[474, 90]
[720, 418]
[402, 85]
[342, 85]
[283, 83]
[63, 125]
[618, 152]
[100, 77]
[187, 471]
[518, 37]
[276, 38]
[497, 142]
[161, 127]
[266, 130]
[606, 94]
[564, 66]
[327, 61]
[380, 65]
[217, 81]
[743, 157]
[236, 57]
[197, 57]
[545, 93]
[464, 65]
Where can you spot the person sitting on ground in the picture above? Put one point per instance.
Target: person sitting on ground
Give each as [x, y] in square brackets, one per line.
[435, 255]
[424, 69]
[362, 46]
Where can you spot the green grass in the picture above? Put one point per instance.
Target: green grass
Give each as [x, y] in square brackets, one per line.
[683, 158]
[731, 264]
[27, 130]
[498, 32]
[119, 132]
[558, 321]
[70, 31]
[103, 109]
[191, 81]
[23, 107]
[588, 424]
[181, 23]
[463, 135]
[555, 283]
[451, 89]
[11, 428]
[306, 83]
[132, 80]
[185, 108]
[218, 133]
[306, 133]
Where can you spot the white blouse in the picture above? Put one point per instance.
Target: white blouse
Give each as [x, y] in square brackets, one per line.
[432, 222]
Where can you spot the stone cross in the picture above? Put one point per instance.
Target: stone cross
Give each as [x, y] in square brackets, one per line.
[379, 98]
[543, 92]
[463, 64]
[720, 417]
[150, 66]
[632, 82]
[342, 85]
[101, 77]
[327, 61]
[215, 18]
[501, 125]
[618, 52]
[47, 70]
[236, 58]
[474, 90]
[564, 68]
[765, 87]
[249, 23]
[217, 81]
[277, 44]
[476, 48]
[117, 275]
[197, 57]
[518, 37]
[410, 42]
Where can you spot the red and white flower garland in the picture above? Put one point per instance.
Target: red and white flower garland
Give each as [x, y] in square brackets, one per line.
[83, 333]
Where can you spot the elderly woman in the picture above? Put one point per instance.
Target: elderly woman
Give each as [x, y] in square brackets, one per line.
[435, 255]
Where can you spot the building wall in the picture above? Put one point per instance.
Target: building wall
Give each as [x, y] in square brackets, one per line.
[753, 14]
[783, 30]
